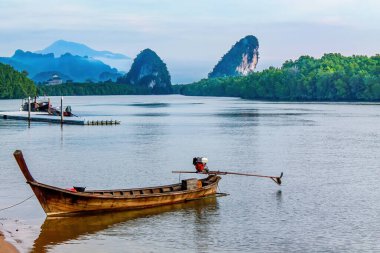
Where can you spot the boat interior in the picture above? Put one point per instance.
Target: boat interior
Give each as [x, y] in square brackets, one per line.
[152, 190]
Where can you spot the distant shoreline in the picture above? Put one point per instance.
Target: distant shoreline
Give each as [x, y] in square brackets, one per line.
[311, 101]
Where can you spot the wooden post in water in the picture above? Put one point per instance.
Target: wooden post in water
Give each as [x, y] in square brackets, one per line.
[29, 109]
[62, 110]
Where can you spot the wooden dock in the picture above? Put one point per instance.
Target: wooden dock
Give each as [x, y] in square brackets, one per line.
[45, 117]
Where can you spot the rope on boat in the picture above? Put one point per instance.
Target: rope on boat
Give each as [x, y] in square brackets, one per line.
[2, 209]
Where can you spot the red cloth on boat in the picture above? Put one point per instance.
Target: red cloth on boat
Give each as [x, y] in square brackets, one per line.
[199, 167]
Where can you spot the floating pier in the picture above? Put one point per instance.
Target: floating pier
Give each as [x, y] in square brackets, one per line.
[45, 117]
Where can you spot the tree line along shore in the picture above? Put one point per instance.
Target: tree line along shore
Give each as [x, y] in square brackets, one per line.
[333, 77]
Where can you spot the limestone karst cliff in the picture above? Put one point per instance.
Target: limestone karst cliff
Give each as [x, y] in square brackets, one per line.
[240, 60]
[148, 70]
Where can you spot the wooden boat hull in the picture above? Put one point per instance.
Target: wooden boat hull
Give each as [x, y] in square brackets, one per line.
[61, 202]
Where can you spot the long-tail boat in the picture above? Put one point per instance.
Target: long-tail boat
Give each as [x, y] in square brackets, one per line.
[63, 202]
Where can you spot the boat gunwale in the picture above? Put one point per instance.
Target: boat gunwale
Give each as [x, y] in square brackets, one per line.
[90, 194]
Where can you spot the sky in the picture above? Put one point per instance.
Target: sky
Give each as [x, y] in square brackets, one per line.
[192, 35]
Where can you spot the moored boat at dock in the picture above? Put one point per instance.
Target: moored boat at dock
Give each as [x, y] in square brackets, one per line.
[45, 106]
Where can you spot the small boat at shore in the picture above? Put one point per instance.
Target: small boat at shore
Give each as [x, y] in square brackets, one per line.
[67, 202]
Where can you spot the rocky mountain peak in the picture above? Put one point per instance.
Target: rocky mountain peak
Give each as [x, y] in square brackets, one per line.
[148, 70]
[240, 60]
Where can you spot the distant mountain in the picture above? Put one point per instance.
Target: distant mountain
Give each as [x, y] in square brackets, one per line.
[148, 70]
[240, 60]
[61, 47]
[76, 68]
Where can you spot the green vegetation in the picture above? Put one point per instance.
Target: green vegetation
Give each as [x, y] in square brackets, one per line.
[331, 78]
[14, 84]
[87, 89]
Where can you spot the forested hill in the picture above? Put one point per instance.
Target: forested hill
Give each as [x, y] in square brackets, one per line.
[333, 77]
[14, 84]
[148, 70]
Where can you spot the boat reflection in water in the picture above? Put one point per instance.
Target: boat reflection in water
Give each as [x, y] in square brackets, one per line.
[55, 231]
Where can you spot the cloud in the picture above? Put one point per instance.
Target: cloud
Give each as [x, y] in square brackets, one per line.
[156, 17]
[74, 16]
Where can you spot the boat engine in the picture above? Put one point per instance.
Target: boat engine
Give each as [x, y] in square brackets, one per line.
[200, 164]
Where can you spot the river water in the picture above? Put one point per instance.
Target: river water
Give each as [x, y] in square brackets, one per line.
[329, 153]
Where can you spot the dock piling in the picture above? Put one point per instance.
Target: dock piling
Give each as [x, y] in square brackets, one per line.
[62, 110]
[29, 109]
